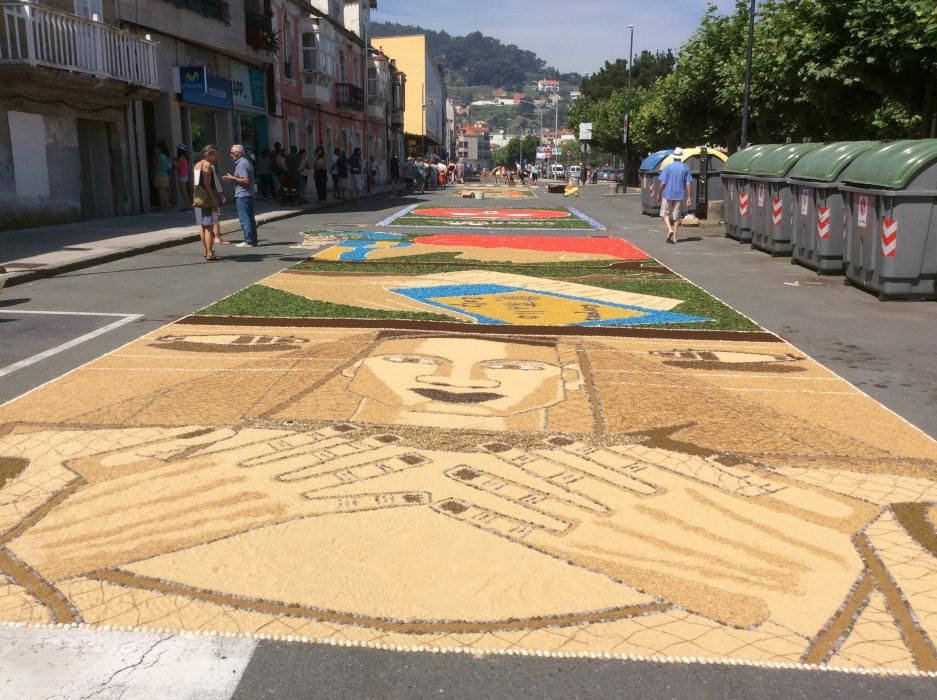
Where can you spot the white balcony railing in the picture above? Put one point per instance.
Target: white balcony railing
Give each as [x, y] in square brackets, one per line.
[39, 36]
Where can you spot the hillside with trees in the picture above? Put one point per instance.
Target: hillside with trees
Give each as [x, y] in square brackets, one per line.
[479, 60]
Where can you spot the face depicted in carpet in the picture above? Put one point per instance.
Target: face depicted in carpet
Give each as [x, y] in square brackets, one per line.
[684, 501]
[461, 382]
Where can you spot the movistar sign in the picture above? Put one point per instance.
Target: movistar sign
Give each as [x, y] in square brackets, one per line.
[199, 87]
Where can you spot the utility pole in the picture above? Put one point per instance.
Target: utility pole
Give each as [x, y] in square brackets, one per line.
[365, 19]
[748, 75]
[628, 104]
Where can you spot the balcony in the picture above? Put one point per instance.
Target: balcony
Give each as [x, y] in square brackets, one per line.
[396, 118]
[39, 36]
[258, 31]
[349, 97]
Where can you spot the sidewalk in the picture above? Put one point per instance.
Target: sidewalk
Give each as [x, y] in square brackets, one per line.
[30, 254]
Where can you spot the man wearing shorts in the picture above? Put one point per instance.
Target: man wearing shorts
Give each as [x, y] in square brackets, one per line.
[675, 181]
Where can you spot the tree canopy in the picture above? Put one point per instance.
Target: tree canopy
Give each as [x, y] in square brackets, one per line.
[822, 70]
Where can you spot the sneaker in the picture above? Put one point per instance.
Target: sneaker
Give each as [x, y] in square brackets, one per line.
[245, 244]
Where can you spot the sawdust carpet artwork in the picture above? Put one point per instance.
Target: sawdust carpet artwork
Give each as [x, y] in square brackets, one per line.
[475, 482]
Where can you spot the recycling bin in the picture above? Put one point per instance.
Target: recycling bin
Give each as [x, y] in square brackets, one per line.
[648, 174]
[772, 220]
[891, 222]
[738, 191]
[819, 208]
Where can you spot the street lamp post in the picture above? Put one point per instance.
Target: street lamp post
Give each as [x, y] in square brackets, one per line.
[628, 103]
[748, 74]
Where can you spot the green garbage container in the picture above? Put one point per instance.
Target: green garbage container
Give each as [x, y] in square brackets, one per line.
[738, 194]
[772, 220]
[819, 210]
[648, 173]
[891, 220]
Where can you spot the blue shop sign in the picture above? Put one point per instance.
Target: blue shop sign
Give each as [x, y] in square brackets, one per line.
[199, 87]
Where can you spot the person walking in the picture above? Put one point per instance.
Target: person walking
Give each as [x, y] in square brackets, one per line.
[395, 174]
[161, 168]
[357, 175]
[304, 175]
[419, 176]
[182, 177]
[409, 174]
[320, 173]
[336, 182]
[675, 182]
[205, 198]
[243, 178]
[341, 167]
[265, 174]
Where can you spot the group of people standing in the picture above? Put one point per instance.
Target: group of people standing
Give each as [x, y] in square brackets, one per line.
[208, 197]
[420, 174]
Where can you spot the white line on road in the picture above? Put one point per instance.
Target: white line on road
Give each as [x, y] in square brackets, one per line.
[123, 320]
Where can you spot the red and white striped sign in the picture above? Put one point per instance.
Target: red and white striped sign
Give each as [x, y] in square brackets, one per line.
[776, 211]
[743, 203]
[889, 238]
[823, 222]
[862, 215]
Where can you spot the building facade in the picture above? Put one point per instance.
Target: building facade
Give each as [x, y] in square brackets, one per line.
[425, 117]
[94, 88]
[473, 147]
[74, 87]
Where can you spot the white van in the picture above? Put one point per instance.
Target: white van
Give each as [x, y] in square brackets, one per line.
[575, 171]
[557, 171]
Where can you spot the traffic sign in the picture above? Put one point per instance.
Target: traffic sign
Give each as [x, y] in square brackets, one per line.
[548, 152]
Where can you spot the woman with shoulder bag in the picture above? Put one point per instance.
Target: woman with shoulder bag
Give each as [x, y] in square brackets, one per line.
[205, 198]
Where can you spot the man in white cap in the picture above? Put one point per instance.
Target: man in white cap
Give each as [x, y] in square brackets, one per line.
[675, 181]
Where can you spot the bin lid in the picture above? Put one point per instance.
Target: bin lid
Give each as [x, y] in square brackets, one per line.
[690, 152]
[778, 162]
[653, 161]
[827, 162]
[893, 165]
[741, 161]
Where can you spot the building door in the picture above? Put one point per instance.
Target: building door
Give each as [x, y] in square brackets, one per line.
[97, 180]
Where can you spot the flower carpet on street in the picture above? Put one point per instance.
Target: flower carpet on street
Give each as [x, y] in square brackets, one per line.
[550, 445]
[493, 217]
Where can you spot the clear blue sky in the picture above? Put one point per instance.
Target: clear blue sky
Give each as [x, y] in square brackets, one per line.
[571, 35]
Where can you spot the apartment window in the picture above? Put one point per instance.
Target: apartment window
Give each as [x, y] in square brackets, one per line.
[89, 8]
[310, 51]
[341, 67]
[372, 81]
[288, 55]
[293, 133]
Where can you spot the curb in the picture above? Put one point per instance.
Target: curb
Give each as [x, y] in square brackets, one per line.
[11, 279]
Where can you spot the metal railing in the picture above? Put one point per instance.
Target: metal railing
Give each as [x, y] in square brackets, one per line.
[348, 96]
[39, 36]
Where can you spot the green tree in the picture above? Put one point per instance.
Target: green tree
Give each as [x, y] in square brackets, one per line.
[510, 153]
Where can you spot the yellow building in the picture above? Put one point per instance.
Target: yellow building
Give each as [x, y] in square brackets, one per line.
[425, 111]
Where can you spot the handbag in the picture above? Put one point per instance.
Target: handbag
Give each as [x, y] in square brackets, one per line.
[202, 198]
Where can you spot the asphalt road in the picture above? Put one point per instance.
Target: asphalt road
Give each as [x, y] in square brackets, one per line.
[883, 348]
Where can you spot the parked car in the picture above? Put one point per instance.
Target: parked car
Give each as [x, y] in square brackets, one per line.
[617, 175]
[575, 172]
[558, 171]
[604, 174]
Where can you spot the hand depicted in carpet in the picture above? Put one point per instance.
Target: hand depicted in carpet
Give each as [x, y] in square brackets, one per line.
[733, 543]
